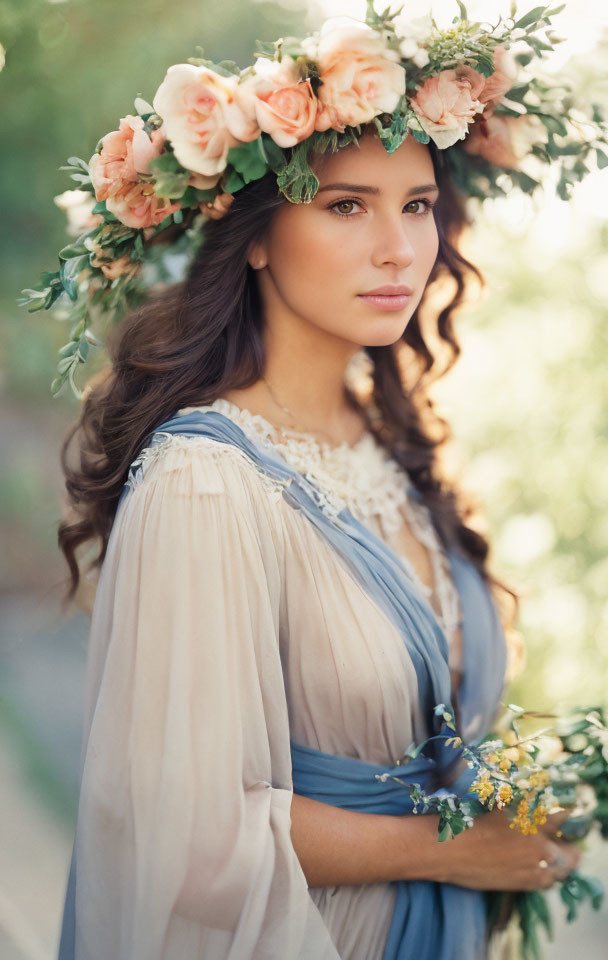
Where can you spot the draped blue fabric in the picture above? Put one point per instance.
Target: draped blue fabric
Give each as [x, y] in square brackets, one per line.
[431, 920]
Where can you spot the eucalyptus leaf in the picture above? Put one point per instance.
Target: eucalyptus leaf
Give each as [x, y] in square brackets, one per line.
[531, 17]
[142, 107]
[602, 158]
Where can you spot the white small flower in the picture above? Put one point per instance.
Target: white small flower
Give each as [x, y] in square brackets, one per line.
[418, 28]
[409, 48]
[421, 58]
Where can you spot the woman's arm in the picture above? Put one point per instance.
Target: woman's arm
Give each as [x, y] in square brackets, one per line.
[336, 846]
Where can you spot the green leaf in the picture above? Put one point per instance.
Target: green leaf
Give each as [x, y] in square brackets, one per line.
[225, 68]
[553, 124]
[192, 196]
[247, 160]
[445, 833]
[271, 153]
[420, 135]
[393, 131]
[142, 107]
[171, 179]
[518, 92]
[531, 17]
[233, 182]
[69, 349]
[602, 159]
[524, 58]
[65, 364]
[68, 273]
[485, 66]
[463, 10]
[74, 249]
[265, 48]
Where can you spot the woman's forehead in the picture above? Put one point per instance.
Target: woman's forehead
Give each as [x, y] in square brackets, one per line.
[370, 164]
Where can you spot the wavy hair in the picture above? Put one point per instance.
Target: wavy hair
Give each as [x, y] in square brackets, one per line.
[190, 342]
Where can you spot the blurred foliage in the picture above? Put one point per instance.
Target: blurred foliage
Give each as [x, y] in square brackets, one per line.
[527, 400]
[528, 403]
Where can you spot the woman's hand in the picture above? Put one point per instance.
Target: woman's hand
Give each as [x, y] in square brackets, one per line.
[492, 856]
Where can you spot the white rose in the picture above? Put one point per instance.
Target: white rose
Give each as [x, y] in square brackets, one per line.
[201, 118]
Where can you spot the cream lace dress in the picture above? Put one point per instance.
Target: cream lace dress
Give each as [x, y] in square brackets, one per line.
[223, 626]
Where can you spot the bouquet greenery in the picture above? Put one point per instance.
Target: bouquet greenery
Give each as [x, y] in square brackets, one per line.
[561, 766]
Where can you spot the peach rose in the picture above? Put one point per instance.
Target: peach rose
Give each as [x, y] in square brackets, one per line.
[125, 153]
[201, 117]
[361, 77]
[446, 104]
[279, 101]
[503, 140]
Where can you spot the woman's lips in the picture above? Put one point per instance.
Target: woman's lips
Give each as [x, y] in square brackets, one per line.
[386, 302]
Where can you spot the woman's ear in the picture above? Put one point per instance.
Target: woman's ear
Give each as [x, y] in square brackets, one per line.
[256, 256]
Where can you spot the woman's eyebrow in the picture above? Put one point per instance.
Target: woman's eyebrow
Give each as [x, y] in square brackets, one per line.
[358, 188]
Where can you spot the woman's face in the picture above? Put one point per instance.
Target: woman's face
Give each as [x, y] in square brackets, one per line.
[370, 225]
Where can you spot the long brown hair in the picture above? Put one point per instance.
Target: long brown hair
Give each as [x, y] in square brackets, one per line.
[191, 342]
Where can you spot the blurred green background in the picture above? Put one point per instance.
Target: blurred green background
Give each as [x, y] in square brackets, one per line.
[528, 399]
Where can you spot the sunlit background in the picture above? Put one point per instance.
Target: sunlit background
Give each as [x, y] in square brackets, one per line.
[528, 399]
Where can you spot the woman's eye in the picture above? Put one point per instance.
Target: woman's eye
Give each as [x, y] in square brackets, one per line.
[427, 206]
[342, 203]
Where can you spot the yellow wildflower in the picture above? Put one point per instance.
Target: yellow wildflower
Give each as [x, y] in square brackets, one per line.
[540, 778]
[504, 794]
[482, 786]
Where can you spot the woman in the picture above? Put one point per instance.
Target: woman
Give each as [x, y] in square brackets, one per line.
[289, 595]
[225, 626]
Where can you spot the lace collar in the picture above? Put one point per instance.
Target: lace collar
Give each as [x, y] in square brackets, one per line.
[363, 477]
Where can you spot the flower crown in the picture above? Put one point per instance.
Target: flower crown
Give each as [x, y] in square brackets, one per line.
[212, 128]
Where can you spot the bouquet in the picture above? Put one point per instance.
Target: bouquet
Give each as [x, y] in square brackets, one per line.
[561, 766]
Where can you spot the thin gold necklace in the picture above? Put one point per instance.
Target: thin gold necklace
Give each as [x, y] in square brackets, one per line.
[288, 411]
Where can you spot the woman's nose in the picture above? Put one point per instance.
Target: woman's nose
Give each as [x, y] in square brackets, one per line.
[393, 244]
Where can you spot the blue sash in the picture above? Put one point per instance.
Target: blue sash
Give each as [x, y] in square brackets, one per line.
[431, 920]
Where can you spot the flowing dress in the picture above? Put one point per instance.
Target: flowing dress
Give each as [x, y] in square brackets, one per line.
[226, 626]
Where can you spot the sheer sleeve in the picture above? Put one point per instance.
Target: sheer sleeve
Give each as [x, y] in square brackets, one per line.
[183, 845]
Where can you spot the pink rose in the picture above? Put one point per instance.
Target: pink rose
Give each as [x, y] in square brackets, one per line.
[201, 117]
[278, 101]
[446, 104]
[361, 77]
[503, 78]
[115, 173]
[125, 153]
[140, 207]
[503, 140]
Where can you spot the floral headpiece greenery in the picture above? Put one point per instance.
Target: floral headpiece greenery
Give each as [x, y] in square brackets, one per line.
[213, 127]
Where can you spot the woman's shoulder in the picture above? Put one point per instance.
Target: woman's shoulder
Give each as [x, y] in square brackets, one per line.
[198, 464]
